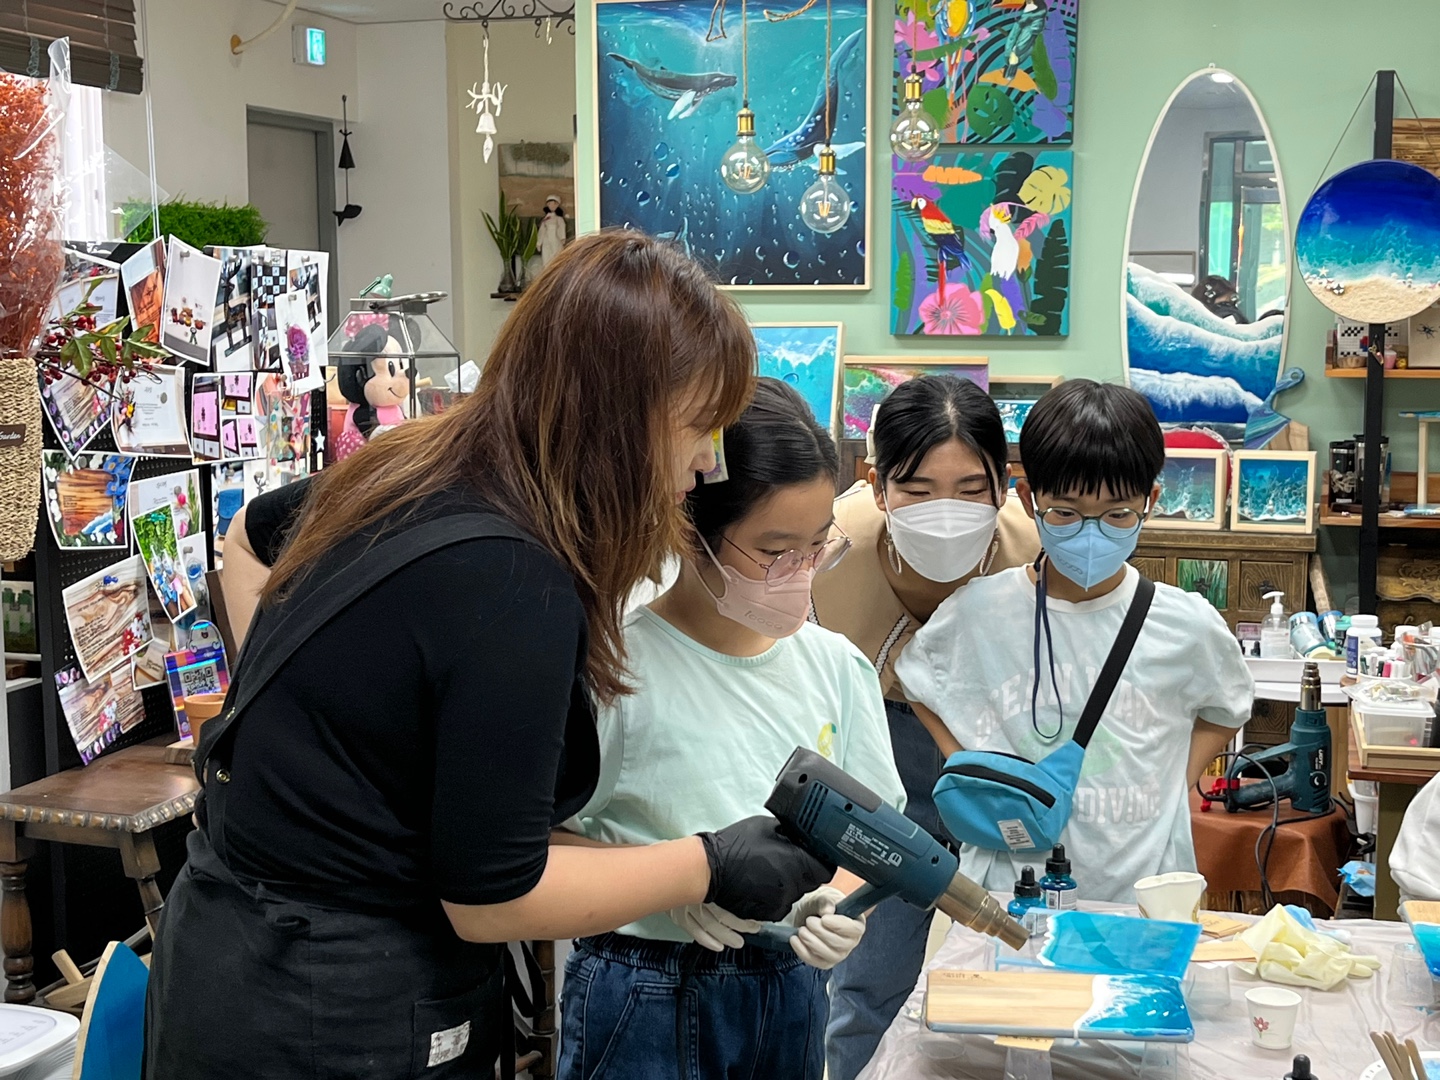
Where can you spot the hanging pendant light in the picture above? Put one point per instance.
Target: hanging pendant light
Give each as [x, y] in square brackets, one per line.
[744, 167]
[825, 206]
[913, 135]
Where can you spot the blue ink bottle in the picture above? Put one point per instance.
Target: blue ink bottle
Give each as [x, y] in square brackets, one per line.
[1027, 895]
[1057, 884]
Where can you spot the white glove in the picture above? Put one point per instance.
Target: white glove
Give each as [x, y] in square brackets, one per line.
[824, 938]
[712, 926]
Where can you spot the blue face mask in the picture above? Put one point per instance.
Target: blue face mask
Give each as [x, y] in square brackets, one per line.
[1089, 556]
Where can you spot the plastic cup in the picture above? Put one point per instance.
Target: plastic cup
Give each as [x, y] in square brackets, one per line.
[1409, 982]
[1207, 989]
[1272, 1016]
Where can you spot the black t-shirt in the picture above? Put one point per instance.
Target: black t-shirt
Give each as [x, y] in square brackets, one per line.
[428, 737]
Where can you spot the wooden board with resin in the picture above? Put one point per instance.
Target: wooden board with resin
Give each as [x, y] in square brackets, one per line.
[1424, 919]
[1058, 1004]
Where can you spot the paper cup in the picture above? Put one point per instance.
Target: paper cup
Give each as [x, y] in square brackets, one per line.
[1272, 1016]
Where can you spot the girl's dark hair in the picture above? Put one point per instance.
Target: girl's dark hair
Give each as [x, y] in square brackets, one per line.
[775, 443]
[1085, 435]
[929, 410]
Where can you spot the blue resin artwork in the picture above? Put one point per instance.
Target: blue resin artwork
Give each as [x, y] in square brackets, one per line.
[1012, 414]
[1193, 366]
[1272, 490]
[1119, 945]
[1424, 919]
[1187, 491]
[1368, 241]
[808, 359]
[668, 79]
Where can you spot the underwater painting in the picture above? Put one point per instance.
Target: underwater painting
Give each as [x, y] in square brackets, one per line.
[981, 244]
[992, 71]
[1193, 366]
[1012, 415]
[1192, 490]
[1274, 492]
[869, 380]
[807, 357]
[1208, 577]
[1368, 241]
[669, 80]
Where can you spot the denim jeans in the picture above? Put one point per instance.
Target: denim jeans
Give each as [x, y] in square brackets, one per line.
[748, 1014]
[868, 987]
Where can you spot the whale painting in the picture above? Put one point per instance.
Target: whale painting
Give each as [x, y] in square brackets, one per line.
[1368, 241]
[669, 79]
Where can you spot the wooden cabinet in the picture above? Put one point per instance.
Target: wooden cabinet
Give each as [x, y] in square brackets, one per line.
[1233, 571]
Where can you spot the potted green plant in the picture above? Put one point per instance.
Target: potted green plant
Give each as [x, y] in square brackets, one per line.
[516, 240]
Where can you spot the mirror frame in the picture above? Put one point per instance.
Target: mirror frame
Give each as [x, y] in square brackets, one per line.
[1206, 72]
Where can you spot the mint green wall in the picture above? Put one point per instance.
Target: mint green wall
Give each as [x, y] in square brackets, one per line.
[1306, 61]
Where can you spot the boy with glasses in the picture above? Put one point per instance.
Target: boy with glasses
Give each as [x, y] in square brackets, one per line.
[1008, 663]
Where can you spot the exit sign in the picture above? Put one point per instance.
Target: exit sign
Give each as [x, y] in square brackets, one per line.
[309, 45]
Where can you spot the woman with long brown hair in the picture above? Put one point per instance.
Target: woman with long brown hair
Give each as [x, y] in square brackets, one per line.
[413, 709]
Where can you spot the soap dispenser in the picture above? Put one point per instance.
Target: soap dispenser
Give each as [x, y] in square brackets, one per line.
[1275, 631]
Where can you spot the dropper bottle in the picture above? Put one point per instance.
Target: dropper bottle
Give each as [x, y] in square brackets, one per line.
[1057, 884]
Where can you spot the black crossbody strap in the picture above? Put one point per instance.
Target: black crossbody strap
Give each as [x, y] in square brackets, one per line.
[316, 602]
[1116, 661]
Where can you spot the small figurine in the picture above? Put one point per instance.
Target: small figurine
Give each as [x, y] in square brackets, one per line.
[552, 229]
[375, 376]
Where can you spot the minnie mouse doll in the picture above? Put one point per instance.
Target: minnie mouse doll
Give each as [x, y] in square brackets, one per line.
[376, 378]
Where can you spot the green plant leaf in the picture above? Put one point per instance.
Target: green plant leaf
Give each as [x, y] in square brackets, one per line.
[939, 52]
[1052, 282]
[199, 224]
[109, 349]
[1045, 80]
[989, 111]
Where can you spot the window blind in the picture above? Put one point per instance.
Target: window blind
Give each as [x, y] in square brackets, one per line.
[101, 33]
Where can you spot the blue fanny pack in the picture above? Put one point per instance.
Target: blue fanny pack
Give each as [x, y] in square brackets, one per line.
[1005, 802]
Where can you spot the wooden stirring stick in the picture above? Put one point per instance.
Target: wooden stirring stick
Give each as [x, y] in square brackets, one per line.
[1388, 1059]
[1416, 1059]
[1401, 1056]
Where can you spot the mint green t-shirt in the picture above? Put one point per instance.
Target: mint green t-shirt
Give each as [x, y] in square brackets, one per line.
[700, 742]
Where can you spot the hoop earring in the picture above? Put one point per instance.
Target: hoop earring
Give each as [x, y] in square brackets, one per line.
[894, 555]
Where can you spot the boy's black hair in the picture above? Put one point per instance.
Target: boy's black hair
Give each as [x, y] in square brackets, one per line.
[775, 443]
[933, 409]
[1083, 435]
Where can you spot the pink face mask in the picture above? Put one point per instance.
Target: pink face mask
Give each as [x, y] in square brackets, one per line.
[776, 611]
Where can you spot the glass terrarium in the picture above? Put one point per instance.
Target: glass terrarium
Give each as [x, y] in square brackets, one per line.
[389, 358]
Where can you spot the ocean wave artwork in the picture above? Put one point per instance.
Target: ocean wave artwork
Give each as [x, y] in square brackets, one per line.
[1193, 366]
[808, 359]
[1012, 414]
[1272, 491]
[669, 82]
[1187, 491]
[1368, 241]
[1147, 1007]
[867, 385]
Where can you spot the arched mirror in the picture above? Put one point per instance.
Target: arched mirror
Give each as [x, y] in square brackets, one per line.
[1207, 268]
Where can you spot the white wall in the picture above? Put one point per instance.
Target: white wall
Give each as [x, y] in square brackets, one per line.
[199, 91]
[539, 106]
[402, 177]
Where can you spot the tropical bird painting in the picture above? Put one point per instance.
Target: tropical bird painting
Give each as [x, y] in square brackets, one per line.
[981, 244]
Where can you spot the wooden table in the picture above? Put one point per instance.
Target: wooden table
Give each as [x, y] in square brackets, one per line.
[114, 802]
[1397, 788]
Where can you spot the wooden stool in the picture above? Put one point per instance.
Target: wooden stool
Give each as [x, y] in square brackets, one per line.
[114, 802]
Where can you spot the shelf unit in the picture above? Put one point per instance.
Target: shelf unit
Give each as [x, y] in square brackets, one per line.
[1403, 489]
[1391, 373]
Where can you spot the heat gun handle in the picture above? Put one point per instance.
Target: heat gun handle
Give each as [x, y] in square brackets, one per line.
[776, 936]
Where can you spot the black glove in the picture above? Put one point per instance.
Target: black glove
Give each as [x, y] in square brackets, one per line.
[756, 873]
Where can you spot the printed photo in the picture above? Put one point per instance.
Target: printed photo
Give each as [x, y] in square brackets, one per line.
[269, 280]
[149, 414]
[232, 332]
[143, 275]
[77, 410]
[17, 611]
[85, 498]
[191, 281]
[98, 711]
[81, 271]
[155, 537]
[205, 418]
[108, 615]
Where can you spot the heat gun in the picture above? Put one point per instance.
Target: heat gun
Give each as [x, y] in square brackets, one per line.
[1306, 780]
[837, 819]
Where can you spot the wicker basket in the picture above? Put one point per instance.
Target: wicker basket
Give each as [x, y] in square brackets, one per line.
[20, 461]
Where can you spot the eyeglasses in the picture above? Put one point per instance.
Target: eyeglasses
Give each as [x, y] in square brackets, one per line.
[1116, 524]
[789, 563]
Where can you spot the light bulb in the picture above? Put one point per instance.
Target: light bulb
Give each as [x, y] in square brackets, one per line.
[745, 168]
[825, 207]
[914, 136]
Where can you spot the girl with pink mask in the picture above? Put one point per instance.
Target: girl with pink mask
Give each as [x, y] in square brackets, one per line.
[729, 676]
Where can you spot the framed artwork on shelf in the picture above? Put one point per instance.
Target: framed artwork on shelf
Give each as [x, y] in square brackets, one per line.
[1015, 396]
[1274, 491]
[805, 356]
[1208, 577]
[1193, 486]
[869, 380]
[992, 71]
[669, 80]
[981, 244]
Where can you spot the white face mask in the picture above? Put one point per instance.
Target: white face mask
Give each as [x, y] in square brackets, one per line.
[942, 539]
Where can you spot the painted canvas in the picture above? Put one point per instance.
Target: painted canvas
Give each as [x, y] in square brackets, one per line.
[981, 244]
[1208, 577]
[1059, 1005]
[993, 71]
[1274, 492]
[1368, 241]
[869, 380]
[668, 83]
[531, 172]
[807, 357]
[1192, 365]
[1192, 490]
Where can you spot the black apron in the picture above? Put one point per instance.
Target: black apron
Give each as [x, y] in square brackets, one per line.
[249, 980]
